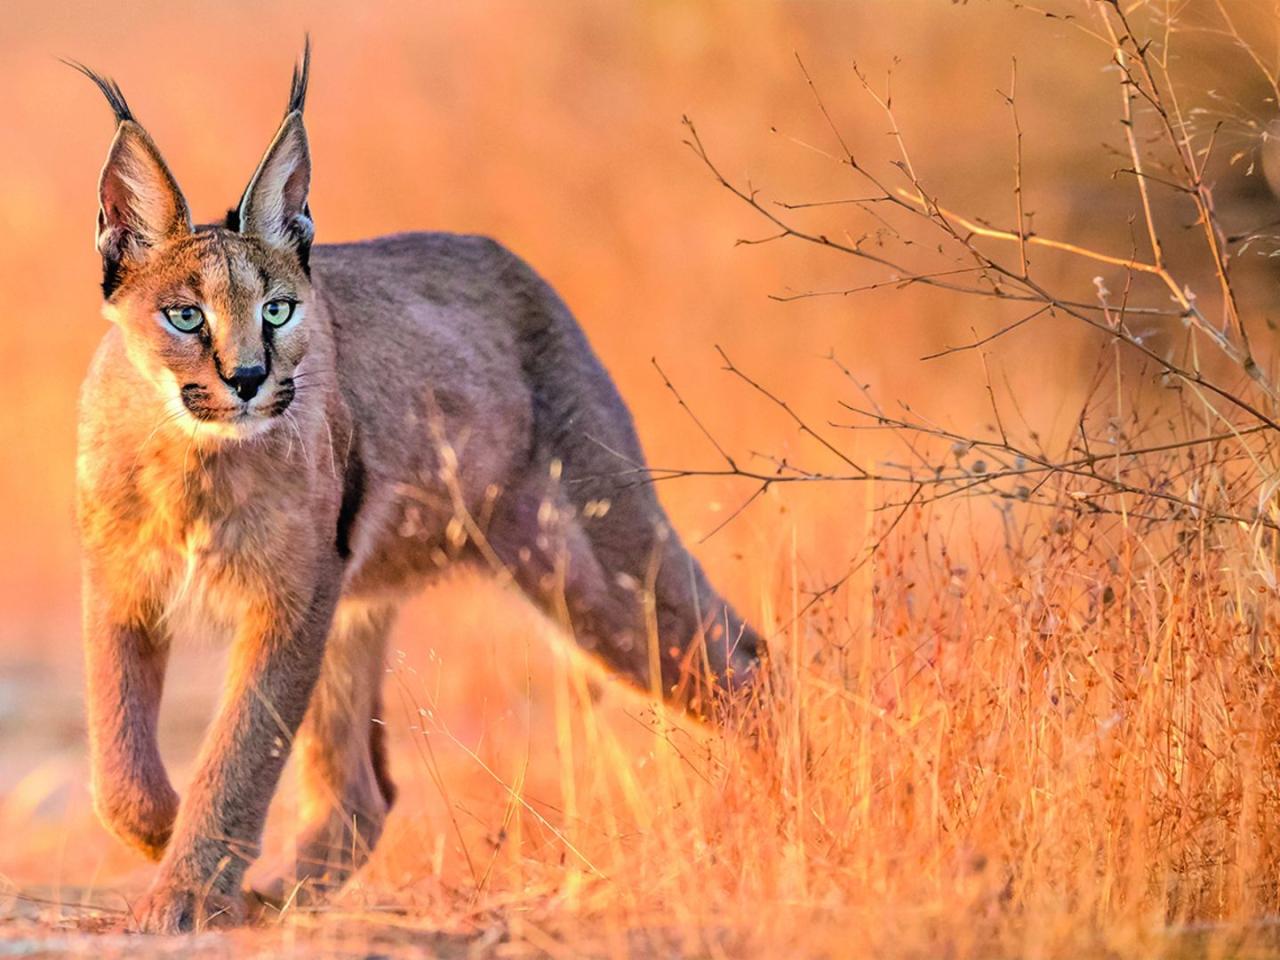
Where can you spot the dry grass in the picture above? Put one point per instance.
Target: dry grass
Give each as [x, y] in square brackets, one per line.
[1013, 708]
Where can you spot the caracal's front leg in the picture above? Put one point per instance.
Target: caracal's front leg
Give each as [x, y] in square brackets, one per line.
[125, 660]
[275, 661]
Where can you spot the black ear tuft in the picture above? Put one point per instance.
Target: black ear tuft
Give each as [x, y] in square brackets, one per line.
[301, 73]
[232, 221]
[111, 90]
[274, 205]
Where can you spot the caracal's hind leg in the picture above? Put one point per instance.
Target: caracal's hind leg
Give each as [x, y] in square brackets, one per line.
[345, 787]
[648, 597]
[535, 537]
[602, 557]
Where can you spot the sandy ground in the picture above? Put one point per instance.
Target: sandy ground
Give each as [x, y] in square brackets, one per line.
[43, 792]
[66, 885]
[33, 930]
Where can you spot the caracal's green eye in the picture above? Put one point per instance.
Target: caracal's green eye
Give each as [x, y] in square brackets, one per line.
[278, 312]
[187, 319]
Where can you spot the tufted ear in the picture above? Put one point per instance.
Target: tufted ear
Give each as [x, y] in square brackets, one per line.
[274, 205]
[139, 203]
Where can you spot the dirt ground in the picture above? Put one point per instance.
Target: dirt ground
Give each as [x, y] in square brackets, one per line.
[66, 885]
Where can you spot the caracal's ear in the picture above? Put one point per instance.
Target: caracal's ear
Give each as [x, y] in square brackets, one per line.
[274, 206]
[139, 203]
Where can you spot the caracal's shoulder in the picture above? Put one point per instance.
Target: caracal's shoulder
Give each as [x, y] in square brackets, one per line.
[108, 398]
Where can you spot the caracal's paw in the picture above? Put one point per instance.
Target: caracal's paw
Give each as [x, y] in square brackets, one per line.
[172, 908]
[329, 852]
[289, 887]
[141, 817]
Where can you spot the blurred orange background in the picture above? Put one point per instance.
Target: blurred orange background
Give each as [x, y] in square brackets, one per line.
[556, 129]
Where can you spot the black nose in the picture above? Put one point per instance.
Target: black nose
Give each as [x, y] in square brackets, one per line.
[246, 381]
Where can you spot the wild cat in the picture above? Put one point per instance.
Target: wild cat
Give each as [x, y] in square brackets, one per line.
[282, 440]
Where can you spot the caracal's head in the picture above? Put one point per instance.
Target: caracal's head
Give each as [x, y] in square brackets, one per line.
[213, 317]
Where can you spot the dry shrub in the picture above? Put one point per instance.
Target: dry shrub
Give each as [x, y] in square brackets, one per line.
[1035, 716]
[1048, 734]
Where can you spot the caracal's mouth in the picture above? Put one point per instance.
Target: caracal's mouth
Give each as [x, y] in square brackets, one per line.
[244, 416]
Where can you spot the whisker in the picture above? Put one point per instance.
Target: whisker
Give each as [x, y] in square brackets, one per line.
[333, 457]
[298, 430]
[165, 418]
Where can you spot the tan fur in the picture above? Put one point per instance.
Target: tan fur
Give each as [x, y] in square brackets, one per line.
[431, 402]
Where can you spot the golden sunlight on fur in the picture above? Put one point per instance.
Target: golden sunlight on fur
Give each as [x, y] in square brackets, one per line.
[1018, 598]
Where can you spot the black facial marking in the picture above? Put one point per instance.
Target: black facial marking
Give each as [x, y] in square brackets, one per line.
[217, 366]
[221, 244]
[304, 259]
[302, 245]
[196, 399]
[286, 390]
[110, 276]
